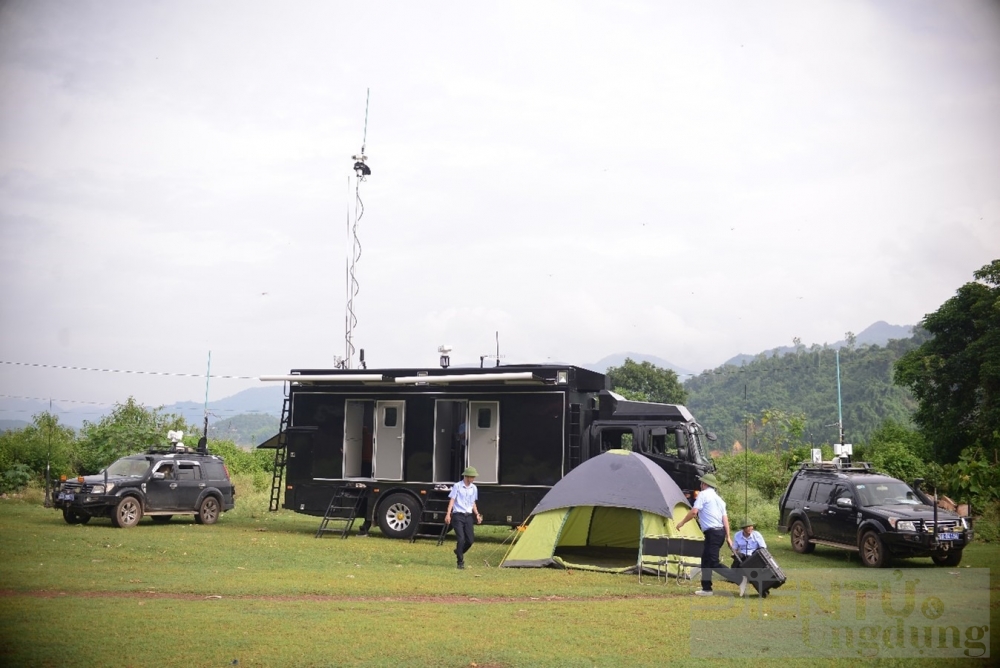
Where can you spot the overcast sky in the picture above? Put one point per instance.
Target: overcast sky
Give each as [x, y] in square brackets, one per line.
[685, 180]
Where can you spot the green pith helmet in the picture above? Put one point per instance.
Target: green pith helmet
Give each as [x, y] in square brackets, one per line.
[470, 472]
[709, 479]
[747, 522]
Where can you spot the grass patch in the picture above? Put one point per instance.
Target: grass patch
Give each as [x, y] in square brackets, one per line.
[258, 588]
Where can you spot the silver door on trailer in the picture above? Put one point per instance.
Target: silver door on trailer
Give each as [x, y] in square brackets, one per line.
[389, 416]
[484, 438]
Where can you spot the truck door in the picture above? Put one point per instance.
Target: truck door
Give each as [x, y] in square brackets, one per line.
[451, 420]
[356, 432]
[389, 440]
[484, 438]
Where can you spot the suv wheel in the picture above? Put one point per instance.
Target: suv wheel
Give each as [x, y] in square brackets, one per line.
[949, 558]
[872, 550]
[800, 538]
[127, 513]
[73, 517]
[208, 513]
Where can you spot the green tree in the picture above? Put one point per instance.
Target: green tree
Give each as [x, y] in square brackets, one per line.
[130, 428]
[775, 430]
[646, 382]
[955, 375]
[41, 442]
[897, 450]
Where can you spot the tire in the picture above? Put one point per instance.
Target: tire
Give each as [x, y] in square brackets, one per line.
[949, 558]
[398, 516]
[127, 513]
[208, 512]
[872, 551]
[800, 538]
[160, 519]
[73, 517]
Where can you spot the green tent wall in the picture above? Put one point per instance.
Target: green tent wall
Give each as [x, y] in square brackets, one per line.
[608, 508]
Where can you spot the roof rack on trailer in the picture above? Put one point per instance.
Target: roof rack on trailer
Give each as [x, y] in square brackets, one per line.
[837, 466]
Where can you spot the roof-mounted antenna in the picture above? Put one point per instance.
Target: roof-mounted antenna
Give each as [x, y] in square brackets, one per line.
[361, 172]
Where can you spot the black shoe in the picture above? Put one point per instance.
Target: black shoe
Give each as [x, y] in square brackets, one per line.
[461, 566]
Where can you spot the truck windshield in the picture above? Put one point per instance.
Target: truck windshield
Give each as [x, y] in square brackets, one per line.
[887, 493]
[698, 453]
[129, 467]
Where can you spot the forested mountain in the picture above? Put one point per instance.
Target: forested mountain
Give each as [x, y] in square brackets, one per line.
[805, 382]
[247, 430]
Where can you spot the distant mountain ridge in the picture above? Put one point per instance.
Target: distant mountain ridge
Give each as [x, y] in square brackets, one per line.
[877, 334]
[268, 400]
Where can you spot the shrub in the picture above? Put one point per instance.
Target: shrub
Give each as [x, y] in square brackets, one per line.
[768, 472]
[987, 524]
[15, 478]
[240, 461]
[749, 502]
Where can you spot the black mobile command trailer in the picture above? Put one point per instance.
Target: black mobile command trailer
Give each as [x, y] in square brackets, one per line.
[399, 438]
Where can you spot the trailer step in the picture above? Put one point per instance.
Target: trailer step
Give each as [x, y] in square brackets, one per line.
[431, 523]
[342, 510]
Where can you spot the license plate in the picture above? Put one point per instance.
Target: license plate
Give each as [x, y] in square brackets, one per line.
[65, 496]
[947, 536]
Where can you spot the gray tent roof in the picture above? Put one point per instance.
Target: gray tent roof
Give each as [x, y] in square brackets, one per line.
[617, 479]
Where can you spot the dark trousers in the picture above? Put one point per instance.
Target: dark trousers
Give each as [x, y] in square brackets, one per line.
[714, 539]
[463, 525]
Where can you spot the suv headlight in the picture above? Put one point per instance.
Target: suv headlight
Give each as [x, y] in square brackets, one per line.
[102, 489]
[902, 525]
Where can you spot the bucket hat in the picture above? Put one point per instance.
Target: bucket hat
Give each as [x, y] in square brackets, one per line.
[710, 480]
[747, 522]
[470, 472]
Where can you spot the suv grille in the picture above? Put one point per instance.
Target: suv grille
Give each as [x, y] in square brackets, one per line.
[943, 525]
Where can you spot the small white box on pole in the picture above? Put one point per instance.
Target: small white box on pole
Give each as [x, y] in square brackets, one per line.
[817, 455]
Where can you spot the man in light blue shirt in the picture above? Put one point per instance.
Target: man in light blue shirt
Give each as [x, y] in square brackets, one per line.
[462, 500]
[710, 510]
[746, 542]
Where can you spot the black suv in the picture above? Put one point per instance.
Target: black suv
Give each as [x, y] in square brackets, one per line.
[852, 507]
[159, 483]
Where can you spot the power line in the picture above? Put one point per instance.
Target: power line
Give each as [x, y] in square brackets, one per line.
[36, 365]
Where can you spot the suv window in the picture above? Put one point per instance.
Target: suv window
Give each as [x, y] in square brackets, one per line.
[821, 492]
[800, 489]
[213, 471]
[841, 492]
[188, 471]
[887, 492]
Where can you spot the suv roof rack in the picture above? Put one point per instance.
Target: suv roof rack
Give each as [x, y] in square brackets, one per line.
[837, 466]
[172, 450]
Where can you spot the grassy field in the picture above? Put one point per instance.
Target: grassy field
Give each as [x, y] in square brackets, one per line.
[257, 589]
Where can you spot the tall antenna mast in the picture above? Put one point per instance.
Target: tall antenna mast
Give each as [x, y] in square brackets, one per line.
[361, 171]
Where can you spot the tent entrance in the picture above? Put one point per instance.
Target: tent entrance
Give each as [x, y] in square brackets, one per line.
[600, 537]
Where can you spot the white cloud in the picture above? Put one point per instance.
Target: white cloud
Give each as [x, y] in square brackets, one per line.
[690, 182]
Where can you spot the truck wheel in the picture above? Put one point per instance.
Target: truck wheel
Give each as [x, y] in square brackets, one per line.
[873, 552]
[208, 513]
[161, 519]
[73, 517]
[800, 538]
[127, 513]
[398, 516]
[949, 558]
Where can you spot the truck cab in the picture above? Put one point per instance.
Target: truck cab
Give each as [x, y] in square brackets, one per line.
[666, 433]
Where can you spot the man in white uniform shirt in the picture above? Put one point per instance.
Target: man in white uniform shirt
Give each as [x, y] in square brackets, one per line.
[710, 510]
[462, 500]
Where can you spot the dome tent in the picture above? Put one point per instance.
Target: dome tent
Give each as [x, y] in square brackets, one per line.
[600, 515]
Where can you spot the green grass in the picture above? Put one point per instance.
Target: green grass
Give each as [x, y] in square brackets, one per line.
[258, 588]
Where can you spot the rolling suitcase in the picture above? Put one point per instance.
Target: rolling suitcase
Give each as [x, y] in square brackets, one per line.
[762, 571]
